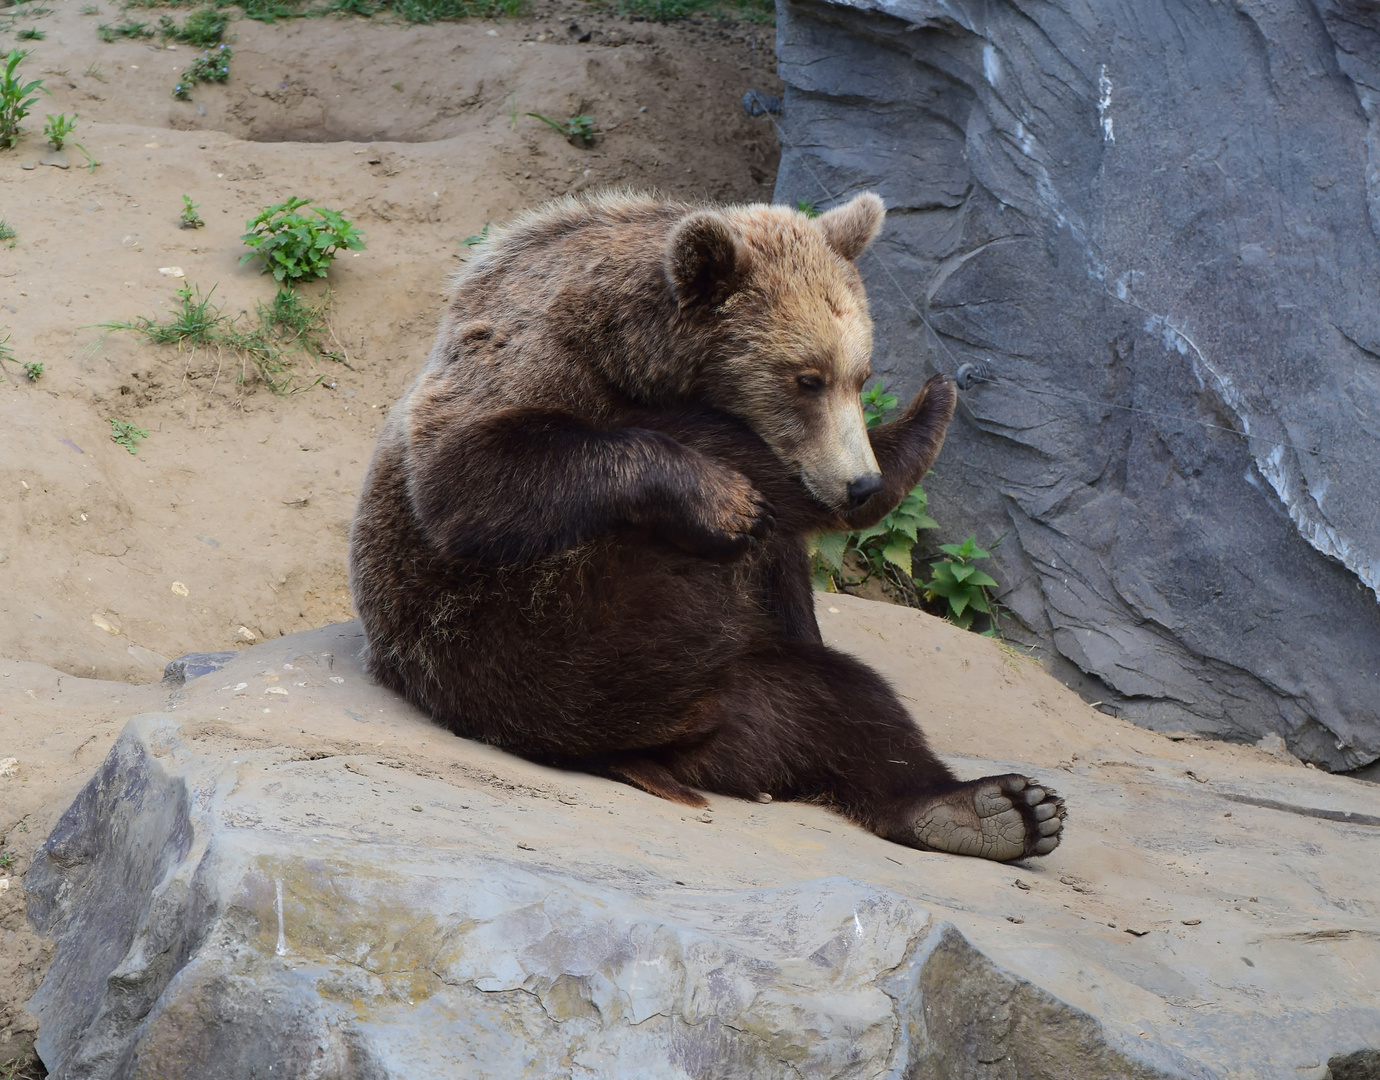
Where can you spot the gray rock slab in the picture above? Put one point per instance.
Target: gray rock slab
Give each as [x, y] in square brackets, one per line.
[289, 871]
[1159, 224]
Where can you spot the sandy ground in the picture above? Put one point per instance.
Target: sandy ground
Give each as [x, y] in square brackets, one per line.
[240, 496]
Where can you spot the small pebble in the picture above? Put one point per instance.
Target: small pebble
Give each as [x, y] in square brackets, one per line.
[30, 165]
[763, 797]
[1191, 922]
[525, 847]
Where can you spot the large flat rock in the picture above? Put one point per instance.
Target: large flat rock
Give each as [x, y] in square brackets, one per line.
[1158, 224]
[288, 871]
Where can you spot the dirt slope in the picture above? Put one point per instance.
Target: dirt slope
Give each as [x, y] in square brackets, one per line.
[234, 512]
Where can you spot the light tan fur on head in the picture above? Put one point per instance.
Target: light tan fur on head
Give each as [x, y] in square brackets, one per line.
[801, 333]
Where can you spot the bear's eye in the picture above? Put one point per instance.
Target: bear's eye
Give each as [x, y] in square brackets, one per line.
[811, 383]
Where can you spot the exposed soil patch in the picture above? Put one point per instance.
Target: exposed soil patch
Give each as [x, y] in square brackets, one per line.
[419, 134]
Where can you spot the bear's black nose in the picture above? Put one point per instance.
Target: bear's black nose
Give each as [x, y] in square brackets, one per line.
[863, 488]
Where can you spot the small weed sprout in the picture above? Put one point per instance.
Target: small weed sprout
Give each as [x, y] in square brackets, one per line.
[127, 30]
[190, 219]
[197, 322]
[127, 435]
[93, 71]
[211, 66]
[806, 207]
[89, 9]
[58, 128]
[16, 98]
[31, 34]
[6, 860]
[33, 370]
[295, 247]
[288, 325]
[362, 8]
[430, 11]
[7, 234]
[203, 28]
[481, 237]
[578, 130]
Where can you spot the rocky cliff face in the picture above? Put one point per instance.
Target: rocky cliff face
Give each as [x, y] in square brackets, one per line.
[1158, 225]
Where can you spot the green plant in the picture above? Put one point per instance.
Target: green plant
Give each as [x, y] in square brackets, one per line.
[129, 29]
[269, 340]
[666, 10]
[33, 370]
[961, 584]
[7, 233]
[127, 435]
[876, 404]
[806, 207]
[58, 128]
[89, 9]
[197, 322]
[202, 29]
[429, 11]
[478, 238]
[6, 860]
[579, 130]
[295, 247]
[362, 8]
[886, 550]
[93, 71]
[31, 34]
[16, 98]
[211, 66]
[190, 219]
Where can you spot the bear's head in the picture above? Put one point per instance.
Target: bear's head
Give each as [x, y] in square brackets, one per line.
[792, 338]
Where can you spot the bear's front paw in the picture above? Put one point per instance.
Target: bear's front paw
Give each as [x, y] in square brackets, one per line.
[934, 404]
[727, 523]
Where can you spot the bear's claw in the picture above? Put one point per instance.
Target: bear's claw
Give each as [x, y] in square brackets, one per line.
[998, 817]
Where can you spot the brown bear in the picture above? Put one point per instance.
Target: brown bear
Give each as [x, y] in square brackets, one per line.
[584, 536]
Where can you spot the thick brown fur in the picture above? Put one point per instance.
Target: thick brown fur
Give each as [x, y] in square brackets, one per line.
[584, 535]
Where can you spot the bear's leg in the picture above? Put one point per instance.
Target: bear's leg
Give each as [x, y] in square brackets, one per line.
[798, 720]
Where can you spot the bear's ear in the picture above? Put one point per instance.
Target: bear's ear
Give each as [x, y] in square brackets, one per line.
[705, 260]
[849, 228]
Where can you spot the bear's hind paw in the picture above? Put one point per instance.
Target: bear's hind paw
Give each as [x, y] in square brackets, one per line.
[998, 817]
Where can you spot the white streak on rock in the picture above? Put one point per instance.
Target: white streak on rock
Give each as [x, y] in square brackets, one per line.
[281, 948]
[1104, 105]
[991, 64]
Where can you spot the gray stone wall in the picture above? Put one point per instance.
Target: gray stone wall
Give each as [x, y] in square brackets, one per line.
[1157, 224]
